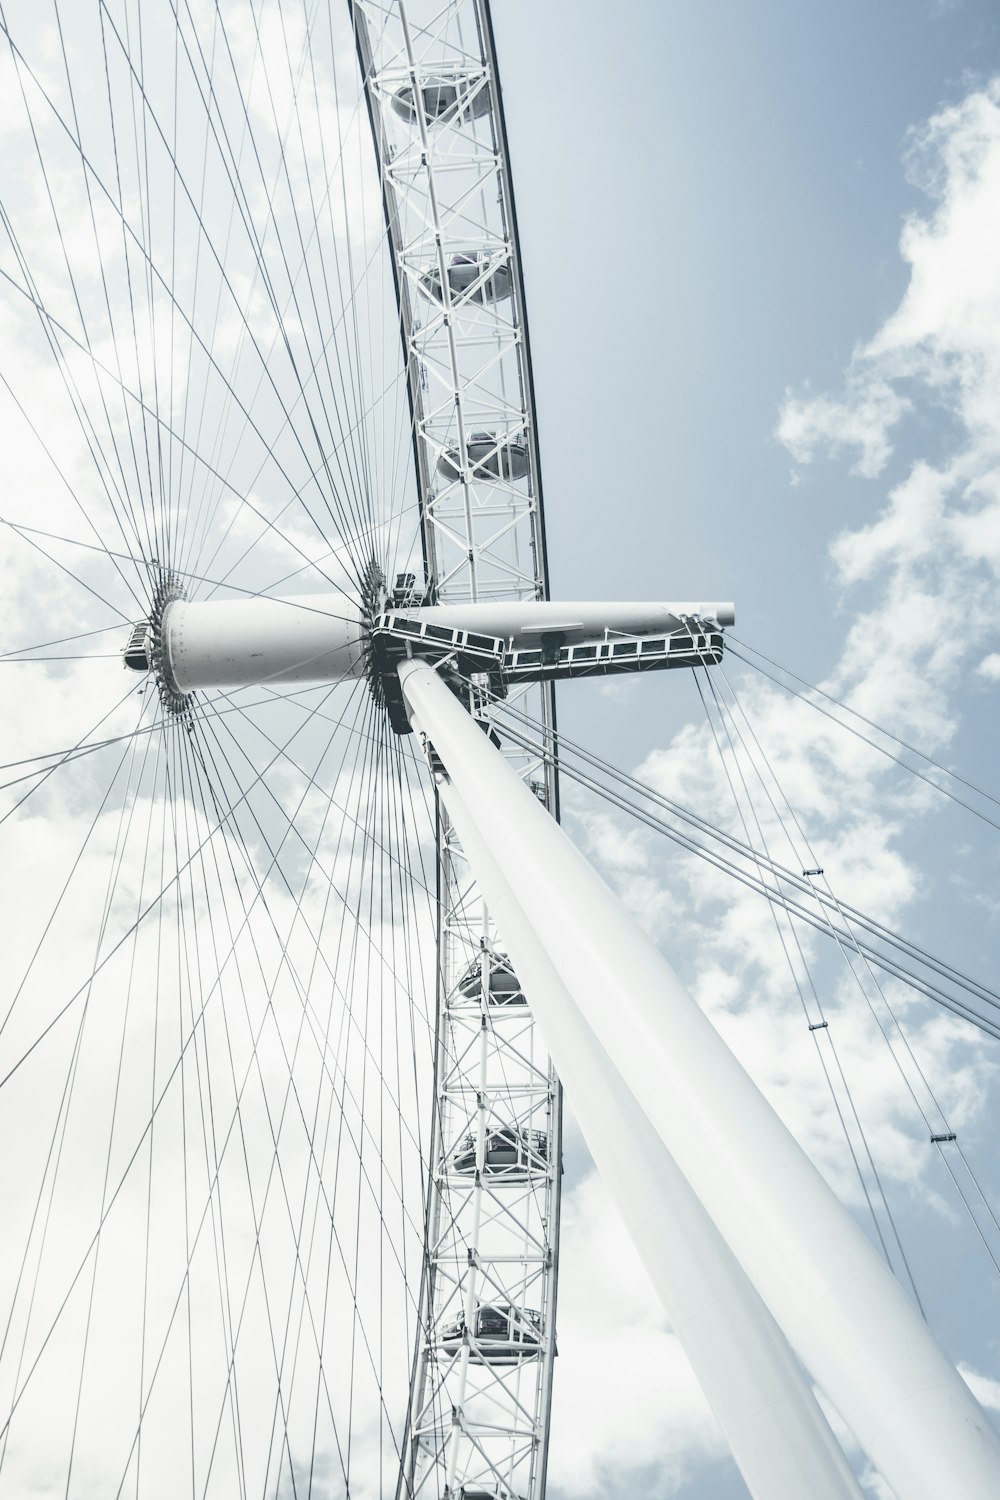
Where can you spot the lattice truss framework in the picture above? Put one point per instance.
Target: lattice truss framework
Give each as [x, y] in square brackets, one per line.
[478, 1422]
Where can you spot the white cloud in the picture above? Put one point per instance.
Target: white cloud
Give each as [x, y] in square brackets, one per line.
[929, 563]
[944, 338]
[946, 330]
[650, 1415]
[933, 553]
[984, 1387]
[862, 423]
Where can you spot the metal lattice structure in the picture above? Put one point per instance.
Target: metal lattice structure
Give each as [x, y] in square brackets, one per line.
[478, 1418]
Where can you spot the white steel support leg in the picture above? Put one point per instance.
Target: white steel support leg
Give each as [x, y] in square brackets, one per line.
[836, 1301]
[778, 1436]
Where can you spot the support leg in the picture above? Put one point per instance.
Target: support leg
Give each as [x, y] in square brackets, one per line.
[758, 1392]
[837, 1303]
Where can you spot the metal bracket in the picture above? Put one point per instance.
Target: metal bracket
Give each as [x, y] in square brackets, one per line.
[396, 637]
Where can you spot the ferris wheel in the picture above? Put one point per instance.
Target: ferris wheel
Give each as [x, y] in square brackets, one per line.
[290, 912]
[264, 262]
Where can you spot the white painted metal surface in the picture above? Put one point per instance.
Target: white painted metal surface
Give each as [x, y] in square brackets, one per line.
[321, 637]
[524, 622]
[779, 1437]
[229, 643]
[836, 1301]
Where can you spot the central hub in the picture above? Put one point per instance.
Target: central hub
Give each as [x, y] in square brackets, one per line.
[192, 645]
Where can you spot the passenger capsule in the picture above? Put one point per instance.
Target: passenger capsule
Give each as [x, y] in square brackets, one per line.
[503, 987]
[492, 455]
[500, 1335]
[442, 97]
[479, 276]
[408, 592]
[511, 1154]
[139, 650]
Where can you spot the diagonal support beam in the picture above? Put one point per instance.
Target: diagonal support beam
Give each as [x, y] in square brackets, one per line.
[839, 1306]
[779, 1437]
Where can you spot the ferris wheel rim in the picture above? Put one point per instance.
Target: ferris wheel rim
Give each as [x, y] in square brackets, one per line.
[413, 82]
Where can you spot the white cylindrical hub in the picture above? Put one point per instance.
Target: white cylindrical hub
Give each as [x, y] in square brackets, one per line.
[836, 1301]
[779, 1437]
[233, 643]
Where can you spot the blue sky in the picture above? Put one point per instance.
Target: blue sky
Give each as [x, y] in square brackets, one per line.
[711, 202]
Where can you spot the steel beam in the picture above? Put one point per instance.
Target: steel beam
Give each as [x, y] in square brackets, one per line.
[780, 1439]
[838, 1304]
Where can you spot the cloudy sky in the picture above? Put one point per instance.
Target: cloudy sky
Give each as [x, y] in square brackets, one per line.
[766, 322]
[760, 257]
